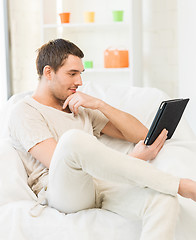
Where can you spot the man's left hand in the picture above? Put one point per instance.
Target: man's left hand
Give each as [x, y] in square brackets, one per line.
[146, 153]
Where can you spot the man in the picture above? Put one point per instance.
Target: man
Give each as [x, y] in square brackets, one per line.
[55, 132]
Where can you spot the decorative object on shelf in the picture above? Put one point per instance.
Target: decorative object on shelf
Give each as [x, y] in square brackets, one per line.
[88, 64]
[89, 17]
[65, 17]
[118, 15]
[116, 58]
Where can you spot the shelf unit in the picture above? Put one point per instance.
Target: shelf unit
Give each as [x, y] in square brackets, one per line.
[93, 38]
[86, 25]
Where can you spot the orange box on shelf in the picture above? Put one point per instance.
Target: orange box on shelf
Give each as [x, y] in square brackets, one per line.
[114, 58]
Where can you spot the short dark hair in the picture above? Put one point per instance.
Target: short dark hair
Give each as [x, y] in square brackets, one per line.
[54, 53]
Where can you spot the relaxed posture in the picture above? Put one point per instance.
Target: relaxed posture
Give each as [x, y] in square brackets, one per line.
[55, 131]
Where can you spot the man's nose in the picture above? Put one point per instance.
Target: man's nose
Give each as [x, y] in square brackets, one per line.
[79, 81]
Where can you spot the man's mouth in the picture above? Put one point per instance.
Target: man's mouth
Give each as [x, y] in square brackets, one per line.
[73, 90]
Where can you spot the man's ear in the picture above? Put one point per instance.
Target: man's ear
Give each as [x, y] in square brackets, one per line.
[47, 72]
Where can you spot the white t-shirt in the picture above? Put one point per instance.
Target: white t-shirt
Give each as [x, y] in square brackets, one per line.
[31, 122]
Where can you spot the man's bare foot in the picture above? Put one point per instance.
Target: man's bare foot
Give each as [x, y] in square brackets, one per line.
[187, 188]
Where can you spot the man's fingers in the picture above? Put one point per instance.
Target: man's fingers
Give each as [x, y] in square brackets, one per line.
[75, 107]
[67, 101]
[160, 139]
[161, 143]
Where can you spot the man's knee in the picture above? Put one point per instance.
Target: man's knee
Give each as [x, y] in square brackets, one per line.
[75, 139]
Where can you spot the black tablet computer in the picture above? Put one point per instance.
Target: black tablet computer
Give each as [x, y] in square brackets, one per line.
[168, 117]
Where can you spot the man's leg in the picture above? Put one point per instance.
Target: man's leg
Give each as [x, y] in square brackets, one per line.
[70, 189]
[158, 212]
[78, 156]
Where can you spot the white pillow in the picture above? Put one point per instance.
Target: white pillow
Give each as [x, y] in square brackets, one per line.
[13, 177]
[141, 102]
[5, 112]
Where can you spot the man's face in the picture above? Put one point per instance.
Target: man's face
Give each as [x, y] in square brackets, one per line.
[67, 79]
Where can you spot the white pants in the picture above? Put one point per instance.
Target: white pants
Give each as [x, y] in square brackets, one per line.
[132, 186]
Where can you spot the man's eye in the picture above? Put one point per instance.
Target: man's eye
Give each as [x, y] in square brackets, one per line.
[72, 74]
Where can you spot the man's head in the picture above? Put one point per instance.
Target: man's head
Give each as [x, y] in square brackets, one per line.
[59, 66]
[55, 53]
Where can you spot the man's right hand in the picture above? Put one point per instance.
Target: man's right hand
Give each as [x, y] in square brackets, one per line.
[149, 152]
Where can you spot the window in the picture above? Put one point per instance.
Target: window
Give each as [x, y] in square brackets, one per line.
[4, 56]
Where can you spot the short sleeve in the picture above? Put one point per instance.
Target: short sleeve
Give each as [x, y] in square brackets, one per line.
[98, 121]
[27, 127]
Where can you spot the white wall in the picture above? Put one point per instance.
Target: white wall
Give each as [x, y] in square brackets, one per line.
[25, 34]
[187, 56]
[160, 45]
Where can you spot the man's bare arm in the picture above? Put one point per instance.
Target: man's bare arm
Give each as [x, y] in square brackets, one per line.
[44, 151]
[130, 128]
[121, 124]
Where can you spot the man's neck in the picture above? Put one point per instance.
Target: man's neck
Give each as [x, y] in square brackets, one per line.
[43, 96]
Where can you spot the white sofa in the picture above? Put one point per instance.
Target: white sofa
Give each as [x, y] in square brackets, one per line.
[16, 199]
